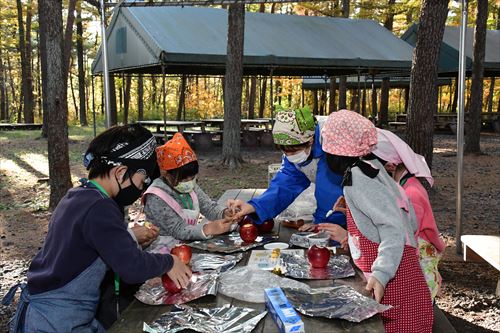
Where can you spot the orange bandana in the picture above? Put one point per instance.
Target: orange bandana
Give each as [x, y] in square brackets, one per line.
[175, 153]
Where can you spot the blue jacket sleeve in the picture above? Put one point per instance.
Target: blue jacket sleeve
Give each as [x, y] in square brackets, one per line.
[288, 183]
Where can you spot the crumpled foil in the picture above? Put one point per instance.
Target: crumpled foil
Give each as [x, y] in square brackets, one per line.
[230, 243]
[226, 319]
[307, 239]
[153, 293]
[209, 261]
[248, 284]
[298, 267]
[341, 302]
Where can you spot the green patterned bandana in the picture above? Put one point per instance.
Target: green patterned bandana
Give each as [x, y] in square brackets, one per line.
[293, 127]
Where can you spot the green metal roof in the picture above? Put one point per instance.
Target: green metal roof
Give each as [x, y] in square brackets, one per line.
[449, 53]
[193, 40]
[313, 83]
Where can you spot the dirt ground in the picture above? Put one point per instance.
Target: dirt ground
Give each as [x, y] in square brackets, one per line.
[468, 295]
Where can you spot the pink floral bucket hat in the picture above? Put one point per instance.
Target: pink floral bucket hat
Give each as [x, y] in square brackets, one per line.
[347, 133]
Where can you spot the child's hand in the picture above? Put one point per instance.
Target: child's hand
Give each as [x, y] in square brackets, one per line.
[145, 235]
[376, 288]
[239, 209]
[217, 227]
[336, 232]
[179, 273]
[340, 205]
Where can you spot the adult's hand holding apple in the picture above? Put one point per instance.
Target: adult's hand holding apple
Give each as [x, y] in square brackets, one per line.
[376, 288]
[240, 208]
[179, 273]
[340, 205]
[336, 232]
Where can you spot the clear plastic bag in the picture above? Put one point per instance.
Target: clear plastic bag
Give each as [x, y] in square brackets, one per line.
[248, 284]
[302, 208]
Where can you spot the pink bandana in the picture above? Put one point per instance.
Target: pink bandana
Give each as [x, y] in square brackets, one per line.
[347, 133]
[392, 149]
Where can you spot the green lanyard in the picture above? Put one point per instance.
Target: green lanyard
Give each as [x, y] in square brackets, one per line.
[187, 202]
[117, 278]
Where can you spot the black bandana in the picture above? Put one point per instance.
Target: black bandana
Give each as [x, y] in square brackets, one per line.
[343, 164]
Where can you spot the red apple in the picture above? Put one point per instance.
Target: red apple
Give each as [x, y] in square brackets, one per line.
[316, 229]
[169, 284]
[318, 256]
[245, 220]
[182, 251]
[248, 232]
[266, 227]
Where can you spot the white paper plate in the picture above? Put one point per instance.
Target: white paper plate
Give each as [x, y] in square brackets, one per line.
[272, 246]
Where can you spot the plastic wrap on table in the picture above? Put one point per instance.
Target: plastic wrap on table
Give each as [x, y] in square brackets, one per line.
[225, 319]
[248, 284]
[211, 261]
[306, 239]
[302, 208]
[153, 293]
[298, 267]
[230, 243]
[342, 302]
[162, 245]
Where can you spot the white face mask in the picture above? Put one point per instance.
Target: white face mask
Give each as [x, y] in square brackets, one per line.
[186, 187]
[299, 157]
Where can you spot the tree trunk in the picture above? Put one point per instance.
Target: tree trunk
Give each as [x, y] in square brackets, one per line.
[491, 93]
[374, 103]
[252, 97]
[182, 97]
[81, 68]
[72, 89]
[112, 101]
[472, 139]
[342, 92]
[363, 103]
[59, 174]
[126, 98]
[455, 97]
[262, 103]
[332, 107]
[384, 102]
[231, 155]
[140, 97]
[407, 98]
[315, 102]
[3, 102]
[43, 24]
[423, 92]
[26, 78]
[153, 93]
[322, 107]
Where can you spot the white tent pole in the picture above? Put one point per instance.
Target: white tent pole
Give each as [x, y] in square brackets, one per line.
[460, 126]
[105, 72]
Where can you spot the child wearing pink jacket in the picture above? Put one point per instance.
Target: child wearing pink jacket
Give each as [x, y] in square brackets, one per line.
[406, 167]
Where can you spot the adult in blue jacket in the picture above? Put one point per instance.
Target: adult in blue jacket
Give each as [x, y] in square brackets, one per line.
[297, 135]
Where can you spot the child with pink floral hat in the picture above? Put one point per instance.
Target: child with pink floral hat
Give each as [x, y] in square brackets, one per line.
[380, 224]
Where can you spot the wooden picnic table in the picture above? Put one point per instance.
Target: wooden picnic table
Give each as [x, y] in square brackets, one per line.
[246, 124]
[132, 318]
[11, 127]
[180, 124]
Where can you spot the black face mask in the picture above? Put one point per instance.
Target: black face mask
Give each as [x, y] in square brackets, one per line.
[128, 195]
[339, 164]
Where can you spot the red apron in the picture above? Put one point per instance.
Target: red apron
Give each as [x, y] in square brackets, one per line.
[407, 292]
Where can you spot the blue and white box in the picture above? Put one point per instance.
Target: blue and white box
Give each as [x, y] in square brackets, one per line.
[283, 313]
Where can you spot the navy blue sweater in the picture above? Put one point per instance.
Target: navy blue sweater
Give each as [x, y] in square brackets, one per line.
[84, 226]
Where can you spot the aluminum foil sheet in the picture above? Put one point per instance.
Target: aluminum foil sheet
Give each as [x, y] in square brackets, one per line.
[153, 293]
[307, 239]
[226, 319]
[298, 267]
[248, 284]
[230, 243]
[210, 261]
[342, 302]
